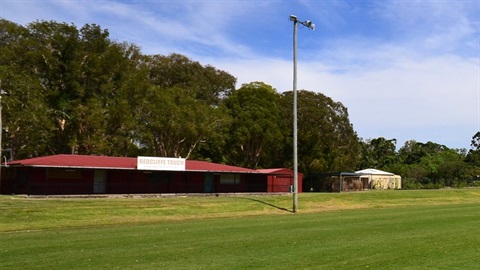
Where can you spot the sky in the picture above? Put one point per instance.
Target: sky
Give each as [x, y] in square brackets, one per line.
[405, 69]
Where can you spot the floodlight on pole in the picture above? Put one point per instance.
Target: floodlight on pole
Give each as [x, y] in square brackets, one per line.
[310, 25]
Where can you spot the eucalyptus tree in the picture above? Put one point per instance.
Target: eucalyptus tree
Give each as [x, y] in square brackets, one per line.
[203, 82]
[173, 123]
[74, 88]
[327, 141]
[182, 113]
[256, 134]
[116, 102]
[26, 125]
[54, 61]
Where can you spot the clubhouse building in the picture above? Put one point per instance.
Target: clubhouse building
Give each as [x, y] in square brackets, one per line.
[88, 175]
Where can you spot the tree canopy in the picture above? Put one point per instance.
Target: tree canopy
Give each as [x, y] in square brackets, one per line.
[256, 131]
[326, 138]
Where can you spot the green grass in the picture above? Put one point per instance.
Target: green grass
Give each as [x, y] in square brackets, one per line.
[366, 230]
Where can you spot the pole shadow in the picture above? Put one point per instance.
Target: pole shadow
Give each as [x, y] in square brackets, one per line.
[269, 204]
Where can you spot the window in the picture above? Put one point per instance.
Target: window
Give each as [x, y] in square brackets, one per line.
[229, 179]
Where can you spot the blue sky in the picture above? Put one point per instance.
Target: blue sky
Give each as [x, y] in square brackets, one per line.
[405, 69]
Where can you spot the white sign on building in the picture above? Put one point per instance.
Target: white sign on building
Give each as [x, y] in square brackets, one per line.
[161, 164]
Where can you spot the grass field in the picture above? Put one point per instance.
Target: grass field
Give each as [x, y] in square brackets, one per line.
[431, 229]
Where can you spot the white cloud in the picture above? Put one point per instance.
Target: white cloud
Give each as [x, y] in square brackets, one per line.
[438, 96]
[435, 26]
[410, 99]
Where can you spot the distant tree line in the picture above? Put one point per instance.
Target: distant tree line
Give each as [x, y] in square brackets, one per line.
[77, 91]
[424, 165]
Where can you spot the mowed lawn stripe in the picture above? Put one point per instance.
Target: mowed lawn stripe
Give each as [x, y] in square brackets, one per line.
[413, 237]
[19, 213]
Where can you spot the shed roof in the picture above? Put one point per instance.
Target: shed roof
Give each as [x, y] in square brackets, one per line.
[274, 170]
[374, 172]
[279, 172]
[125, 163]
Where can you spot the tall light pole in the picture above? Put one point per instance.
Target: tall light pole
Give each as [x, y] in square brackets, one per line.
[310, 25]
[1, 94]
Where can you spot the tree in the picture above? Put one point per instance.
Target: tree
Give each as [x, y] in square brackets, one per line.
[182, 107]
[255, 132]
[25, 110]
[327, 141]
[473, 156]
[431, 164]
[80, 89]
[113, 101]
[202, 82]
[174, 123]
[475, 144]
[378, 153]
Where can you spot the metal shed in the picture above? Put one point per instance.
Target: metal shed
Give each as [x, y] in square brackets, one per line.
[281, 180]
[377, 179]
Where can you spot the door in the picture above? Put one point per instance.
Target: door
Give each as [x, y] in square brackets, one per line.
[365, 183]
[100, 182]
[208, 184]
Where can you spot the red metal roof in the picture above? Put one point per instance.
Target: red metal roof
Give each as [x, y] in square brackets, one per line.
[278, 171]
[78, 161]
[274, 170]
[128, 163]
[195, 165]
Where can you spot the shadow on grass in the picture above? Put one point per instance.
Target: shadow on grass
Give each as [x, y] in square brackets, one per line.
[269, 204]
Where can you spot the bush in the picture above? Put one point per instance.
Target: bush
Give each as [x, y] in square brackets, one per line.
[459, 184]
[433, 186]
[411, 183]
